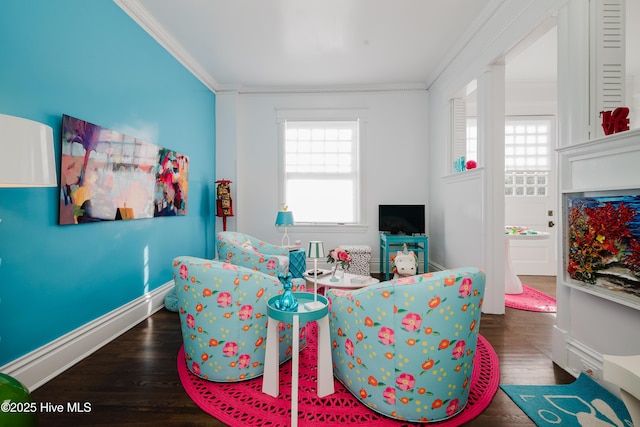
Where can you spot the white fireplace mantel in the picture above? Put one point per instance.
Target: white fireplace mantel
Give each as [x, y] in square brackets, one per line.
[590, 323]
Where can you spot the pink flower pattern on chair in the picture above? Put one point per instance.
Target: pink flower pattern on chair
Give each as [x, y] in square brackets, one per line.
[411, 322]
[458, 350]
[465, 287]
[223, 317]
[405, 381]
[246, 311]
[247, 251]
[389, 395]
[406, 347]
[348, 347]
[184, 272]
[224, 299]
[386, 336]
[230, 349]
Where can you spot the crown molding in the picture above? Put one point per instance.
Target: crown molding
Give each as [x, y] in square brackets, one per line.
[142, 17]
[284, 90]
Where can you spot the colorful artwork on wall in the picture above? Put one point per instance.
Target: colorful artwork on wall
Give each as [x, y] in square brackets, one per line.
[106, 175]
[604, 244]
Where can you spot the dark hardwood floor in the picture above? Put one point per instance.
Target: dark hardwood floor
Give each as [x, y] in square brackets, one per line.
[133, 380]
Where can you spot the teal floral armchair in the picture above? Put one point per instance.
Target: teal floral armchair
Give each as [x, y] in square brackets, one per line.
[250, 252]
[223, 317]
[406, 347]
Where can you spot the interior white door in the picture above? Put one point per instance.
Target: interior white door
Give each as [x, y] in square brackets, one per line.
[530, 199]
[532, 257]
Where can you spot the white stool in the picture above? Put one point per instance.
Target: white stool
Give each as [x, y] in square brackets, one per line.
[624, 371]
[271, 376]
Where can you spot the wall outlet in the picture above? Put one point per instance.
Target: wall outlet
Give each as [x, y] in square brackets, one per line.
[590, 369]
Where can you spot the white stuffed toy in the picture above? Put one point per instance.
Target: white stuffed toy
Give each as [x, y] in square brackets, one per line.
[405, 264]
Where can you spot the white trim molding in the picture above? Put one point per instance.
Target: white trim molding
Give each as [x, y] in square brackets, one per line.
[45, 363]
[582, 358]
[142, 17]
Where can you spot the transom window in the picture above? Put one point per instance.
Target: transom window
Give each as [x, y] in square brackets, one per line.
[527, 156]
[321, 183]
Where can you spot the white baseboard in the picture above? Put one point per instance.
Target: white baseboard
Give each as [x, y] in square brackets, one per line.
[433, 266]
[43, 364]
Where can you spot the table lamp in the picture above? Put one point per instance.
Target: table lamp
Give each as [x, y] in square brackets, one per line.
[315, 251]
[27, 150]
[285, 219]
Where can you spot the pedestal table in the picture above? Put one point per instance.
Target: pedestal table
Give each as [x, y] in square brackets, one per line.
[271, 377]
[512, 283]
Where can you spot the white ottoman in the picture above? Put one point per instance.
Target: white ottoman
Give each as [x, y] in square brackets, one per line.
[360, 258]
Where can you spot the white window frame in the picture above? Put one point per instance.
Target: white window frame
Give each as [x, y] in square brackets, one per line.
[472, 139]
[463, 108]
[326, 115]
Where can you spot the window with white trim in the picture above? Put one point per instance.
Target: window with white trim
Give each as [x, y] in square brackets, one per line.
[464, 127]
[527, 158]
[472, 139]
[321, 171]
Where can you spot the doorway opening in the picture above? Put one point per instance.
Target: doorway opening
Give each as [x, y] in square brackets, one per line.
[530, 188]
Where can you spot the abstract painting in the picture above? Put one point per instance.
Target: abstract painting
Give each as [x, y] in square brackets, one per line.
[604, 243]
[106, 175]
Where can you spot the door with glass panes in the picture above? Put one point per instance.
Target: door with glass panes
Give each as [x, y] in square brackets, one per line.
[529, 190]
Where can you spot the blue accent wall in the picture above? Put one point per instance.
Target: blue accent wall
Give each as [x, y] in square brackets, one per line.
[90, 60]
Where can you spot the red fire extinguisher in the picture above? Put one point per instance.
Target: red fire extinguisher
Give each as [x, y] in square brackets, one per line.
[224, 204]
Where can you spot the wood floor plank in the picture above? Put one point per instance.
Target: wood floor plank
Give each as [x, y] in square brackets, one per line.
[133, 381]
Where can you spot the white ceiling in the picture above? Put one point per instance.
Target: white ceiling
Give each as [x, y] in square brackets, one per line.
[311, 43]
[287, 44]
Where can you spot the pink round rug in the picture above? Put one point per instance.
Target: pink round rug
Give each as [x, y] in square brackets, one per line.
[243, 404]
[531, 300]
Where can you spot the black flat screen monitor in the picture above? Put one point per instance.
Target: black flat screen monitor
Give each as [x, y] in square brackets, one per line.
[401, 219]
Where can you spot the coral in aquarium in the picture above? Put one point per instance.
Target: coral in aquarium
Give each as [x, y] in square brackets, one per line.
[599, 237]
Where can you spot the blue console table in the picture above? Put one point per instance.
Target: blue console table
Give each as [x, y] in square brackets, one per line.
[395, 242]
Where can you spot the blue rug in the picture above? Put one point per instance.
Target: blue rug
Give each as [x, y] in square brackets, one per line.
[582, 403]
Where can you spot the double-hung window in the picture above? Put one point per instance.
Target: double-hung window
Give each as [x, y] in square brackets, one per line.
[321, 176]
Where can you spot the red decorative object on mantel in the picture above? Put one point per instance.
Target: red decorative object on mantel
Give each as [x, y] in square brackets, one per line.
[615, 121]
[224, 204]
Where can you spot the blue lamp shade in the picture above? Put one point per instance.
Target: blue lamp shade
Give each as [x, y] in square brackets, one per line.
[285, 218]
[316, 249]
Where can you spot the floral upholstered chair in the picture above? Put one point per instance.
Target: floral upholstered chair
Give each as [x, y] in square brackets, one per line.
[406, 347]
[223, 317]
[248, 251]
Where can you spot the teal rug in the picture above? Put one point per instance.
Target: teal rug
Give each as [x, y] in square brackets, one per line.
[582, 403]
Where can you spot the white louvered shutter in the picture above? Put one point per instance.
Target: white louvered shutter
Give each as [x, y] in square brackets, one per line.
[458, 128]
[608, 62]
